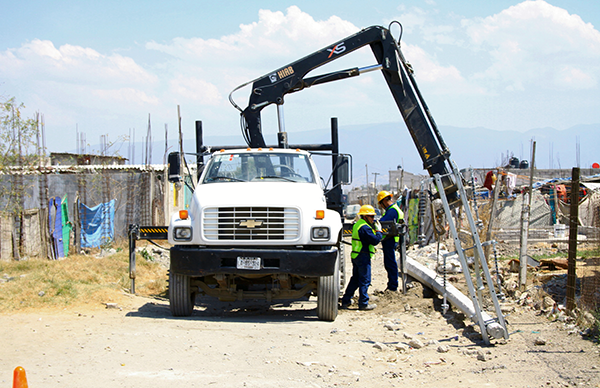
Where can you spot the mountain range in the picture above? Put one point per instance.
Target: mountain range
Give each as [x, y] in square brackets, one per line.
[381, 147]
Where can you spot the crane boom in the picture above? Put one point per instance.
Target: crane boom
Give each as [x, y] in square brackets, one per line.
[272, 87]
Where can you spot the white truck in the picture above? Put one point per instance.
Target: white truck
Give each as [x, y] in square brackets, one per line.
[258, 227]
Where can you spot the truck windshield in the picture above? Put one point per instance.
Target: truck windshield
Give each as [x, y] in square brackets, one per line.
[260, 166]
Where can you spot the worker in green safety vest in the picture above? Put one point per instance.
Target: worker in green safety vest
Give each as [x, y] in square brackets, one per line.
[366, 233]
[391, 213]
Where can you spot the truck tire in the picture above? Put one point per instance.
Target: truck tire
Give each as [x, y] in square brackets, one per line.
[181, 297]
[328, 292]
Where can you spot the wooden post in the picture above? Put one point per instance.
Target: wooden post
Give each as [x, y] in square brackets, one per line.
[488, 235]
[573, 218]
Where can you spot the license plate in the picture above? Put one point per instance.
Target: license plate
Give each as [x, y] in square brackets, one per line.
[248, 263]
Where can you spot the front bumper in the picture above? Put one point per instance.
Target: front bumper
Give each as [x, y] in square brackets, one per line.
[195, 261]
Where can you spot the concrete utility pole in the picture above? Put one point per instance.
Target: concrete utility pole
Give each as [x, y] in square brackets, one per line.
[525, 215]
[375, 181]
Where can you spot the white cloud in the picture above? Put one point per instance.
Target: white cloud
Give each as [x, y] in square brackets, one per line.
[529, 48]
[274, 35]
[41, 60]
[195, 89]
[126, 95]
[534, 44]
[205, 70]
[440, 79]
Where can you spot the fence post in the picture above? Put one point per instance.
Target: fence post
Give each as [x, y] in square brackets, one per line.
[573, 220]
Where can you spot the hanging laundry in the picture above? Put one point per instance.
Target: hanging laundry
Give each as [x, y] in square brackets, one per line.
[67, 226]
[97, 224]
[56, 228]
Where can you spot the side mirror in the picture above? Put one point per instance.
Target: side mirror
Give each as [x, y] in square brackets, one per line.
[174, 167]
[344, 169]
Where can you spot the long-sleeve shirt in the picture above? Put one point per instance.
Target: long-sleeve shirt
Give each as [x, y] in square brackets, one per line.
[367, 237]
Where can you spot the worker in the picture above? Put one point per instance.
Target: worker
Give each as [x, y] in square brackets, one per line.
[391, 212]
[366, 233]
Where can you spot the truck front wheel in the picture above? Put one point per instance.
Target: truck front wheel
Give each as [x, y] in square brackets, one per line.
[328, 292]
[181, 297]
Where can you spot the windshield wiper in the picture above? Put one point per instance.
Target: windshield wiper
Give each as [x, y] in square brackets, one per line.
[275, 177]
[212, 178]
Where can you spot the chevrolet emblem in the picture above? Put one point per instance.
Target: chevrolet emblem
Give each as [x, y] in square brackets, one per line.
[251, 224]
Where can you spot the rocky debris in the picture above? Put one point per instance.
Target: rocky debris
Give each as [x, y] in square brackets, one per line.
[539, 341]
[106, 252]
[443, 349]
[416, 344]
[481, 356]
[507, 308]
[154, 254]
[556, 287]
[380, 346]
[110, 305]
[6, 278]
[402, 347]
[432, 342]
[548, 302]
[393, 326]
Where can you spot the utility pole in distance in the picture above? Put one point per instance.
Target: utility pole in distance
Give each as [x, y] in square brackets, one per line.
[375, 182]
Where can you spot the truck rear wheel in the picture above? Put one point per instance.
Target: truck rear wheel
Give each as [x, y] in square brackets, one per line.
[328, 292]
[181, 297]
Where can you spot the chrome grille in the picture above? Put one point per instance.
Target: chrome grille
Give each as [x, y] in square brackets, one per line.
[251, 223]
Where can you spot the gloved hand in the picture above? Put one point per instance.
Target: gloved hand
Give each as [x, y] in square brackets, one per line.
[377, 226]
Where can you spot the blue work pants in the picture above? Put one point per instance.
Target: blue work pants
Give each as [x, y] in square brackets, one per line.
[361, 280]
[389, 263]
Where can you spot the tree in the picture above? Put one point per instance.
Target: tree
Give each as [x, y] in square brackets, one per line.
[18, 146]
[18, 150]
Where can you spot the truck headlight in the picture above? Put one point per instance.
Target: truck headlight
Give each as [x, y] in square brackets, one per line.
[320, 233]
[182, 233]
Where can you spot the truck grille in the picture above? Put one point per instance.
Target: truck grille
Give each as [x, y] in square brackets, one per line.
[251, 223]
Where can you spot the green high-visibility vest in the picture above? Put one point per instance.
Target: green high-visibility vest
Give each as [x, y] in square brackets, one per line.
[356, 243]
[400, 217]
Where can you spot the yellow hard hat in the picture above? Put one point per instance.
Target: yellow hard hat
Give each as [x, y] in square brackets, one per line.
[383, 194]
[366, 210]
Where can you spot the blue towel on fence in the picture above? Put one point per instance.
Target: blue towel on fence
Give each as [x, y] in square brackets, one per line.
[97, 224]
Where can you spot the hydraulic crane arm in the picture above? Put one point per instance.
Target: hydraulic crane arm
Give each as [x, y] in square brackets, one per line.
[272, 87]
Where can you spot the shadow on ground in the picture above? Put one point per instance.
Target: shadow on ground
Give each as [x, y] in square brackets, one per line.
[208, 308]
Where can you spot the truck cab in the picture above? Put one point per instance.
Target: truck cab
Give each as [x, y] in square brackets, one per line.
[258, 227]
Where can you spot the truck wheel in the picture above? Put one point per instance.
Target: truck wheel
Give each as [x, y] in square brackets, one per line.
[328, 292]
[181, 297]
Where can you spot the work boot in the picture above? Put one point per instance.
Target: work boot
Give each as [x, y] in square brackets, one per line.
[345, 306]
[370, 306]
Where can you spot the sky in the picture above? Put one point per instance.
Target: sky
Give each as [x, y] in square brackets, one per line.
[108, 68]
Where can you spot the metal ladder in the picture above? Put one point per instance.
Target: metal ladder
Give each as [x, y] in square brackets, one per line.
[492, 327]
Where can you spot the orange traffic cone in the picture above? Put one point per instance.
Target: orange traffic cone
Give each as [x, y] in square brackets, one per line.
[19, 378]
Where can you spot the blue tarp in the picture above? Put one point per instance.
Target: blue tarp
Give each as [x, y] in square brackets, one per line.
[539, 184]
[97, 224]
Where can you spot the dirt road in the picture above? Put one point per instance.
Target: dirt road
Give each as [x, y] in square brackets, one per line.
[250, 344]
